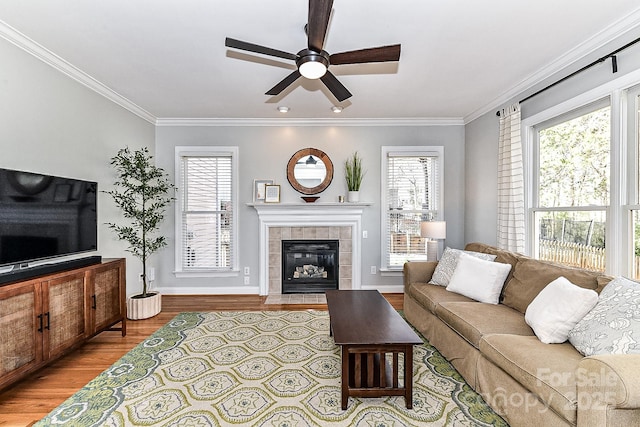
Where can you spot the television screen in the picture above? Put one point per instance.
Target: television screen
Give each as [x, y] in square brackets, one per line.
[43, 216]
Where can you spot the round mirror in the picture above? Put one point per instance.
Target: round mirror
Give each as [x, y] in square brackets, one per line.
[310, 171]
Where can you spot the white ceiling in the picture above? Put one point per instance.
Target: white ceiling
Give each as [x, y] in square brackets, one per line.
[167, 58]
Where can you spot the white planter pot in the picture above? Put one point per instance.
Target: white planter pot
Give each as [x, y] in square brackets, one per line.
[144, 308]
[353, 196]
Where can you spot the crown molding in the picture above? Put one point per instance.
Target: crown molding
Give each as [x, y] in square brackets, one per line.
[40, 52]
[446, 121]
[597, 41]
[615, 30]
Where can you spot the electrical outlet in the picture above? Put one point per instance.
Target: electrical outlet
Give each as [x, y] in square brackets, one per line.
[373, 269]
[247, 280]
[365, 234]
[247, 272]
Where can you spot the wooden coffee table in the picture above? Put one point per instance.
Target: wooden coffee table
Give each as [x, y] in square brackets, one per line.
[368, 328]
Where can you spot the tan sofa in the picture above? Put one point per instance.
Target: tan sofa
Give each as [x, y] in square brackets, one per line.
[527, 382]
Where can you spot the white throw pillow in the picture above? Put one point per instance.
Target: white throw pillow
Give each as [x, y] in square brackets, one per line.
[447, 265]
[478, 279]
[557, 309]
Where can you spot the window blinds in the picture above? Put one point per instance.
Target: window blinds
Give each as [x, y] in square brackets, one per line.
[412, 196]
[207, 212]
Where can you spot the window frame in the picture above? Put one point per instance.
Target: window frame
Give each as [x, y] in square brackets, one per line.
[408, 150]
[631, 134]
[207, 151]
[618, 258]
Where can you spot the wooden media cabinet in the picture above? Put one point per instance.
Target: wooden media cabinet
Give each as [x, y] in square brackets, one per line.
[45, 317]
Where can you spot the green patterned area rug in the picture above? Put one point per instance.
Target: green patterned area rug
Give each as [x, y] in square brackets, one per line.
[270, 368]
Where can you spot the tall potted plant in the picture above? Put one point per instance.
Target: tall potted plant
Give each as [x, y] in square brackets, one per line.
[353, 173]
[142, 194]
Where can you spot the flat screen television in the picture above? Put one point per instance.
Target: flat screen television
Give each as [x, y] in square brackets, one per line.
[44, 216]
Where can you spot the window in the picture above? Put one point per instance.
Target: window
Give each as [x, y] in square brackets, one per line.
[599, 211]
[206, 225]
[571, 198]
[411, 193]
[636, 244]
[633, 209]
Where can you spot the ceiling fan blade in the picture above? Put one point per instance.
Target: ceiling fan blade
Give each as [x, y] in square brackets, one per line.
[374, 54]
[337, 89]
[319, 12]
[284, 83]
[238, 44]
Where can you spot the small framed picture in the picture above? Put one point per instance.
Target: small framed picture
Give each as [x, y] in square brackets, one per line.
[272, 193]
[259, 190]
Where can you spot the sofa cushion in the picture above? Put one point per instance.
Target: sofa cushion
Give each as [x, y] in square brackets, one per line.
[547, 370]
[613, 325]
[530, 276]
[502, 256]
[429, 296]
[447, 265]
[557, 309]
[473, 320]
[478, 279]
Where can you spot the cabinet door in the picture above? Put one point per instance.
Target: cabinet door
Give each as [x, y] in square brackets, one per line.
[64, 313]
[20, 334]
[107, 295]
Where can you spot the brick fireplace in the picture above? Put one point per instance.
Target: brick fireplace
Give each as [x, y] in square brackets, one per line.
[288, 221]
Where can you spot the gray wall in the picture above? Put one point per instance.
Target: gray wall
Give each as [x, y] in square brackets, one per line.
[481, 180]
[482, 133]
[51, 124]
[263, 154]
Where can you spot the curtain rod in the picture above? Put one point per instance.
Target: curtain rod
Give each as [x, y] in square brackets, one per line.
[614, 68]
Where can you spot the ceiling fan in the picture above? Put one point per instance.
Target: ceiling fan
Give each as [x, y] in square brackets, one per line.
[313, 62]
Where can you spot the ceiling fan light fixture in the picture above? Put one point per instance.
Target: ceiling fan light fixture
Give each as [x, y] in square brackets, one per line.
[313, 61]
[336, 109]
[312, 70]
[283, 109]
[312, 65]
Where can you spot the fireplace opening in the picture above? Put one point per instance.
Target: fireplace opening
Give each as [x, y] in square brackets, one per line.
[309, 266]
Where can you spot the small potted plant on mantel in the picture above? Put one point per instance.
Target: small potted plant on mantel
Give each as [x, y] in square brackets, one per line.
[142, 194]
[353, 174]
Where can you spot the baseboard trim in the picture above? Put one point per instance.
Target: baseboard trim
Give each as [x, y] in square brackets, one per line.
[223, 290]
[253, 290]
[385, 289]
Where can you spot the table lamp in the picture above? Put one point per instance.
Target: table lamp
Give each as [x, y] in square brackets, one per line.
[433, 231]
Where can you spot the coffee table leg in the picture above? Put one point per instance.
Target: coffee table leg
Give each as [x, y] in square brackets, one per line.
[408, 376]
[345, 377]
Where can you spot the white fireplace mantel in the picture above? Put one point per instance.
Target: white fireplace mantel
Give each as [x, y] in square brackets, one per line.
[309, 215]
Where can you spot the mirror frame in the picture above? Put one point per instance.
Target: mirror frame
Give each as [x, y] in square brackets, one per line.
[305, 152]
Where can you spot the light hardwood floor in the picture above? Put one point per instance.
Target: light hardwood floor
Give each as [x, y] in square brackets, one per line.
[31, 399]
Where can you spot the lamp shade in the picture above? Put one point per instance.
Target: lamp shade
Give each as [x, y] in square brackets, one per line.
[433, 229]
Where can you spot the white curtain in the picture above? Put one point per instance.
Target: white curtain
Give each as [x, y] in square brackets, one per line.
[511, 228]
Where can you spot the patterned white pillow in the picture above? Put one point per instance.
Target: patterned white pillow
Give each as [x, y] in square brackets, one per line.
[447, 264]
[613, 325]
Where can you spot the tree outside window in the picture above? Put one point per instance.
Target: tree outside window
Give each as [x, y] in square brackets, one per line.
[573, 190]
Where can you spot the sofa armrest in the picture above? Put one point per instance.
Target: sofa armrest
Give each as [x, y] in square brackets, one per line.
[607, 383]
[417, 271]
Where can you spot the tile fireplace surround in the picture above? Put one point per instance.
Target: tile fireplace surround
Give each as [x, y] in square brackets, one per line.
[285, 221]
